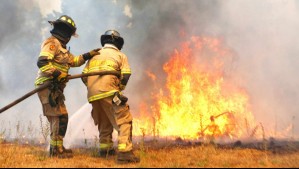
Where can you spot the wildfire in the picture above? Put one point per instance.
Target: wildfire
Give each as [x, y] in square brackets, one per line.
[197, 100]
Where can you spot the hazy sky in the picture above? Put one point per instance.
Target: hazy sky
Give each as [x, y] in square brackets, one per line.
[263, 35]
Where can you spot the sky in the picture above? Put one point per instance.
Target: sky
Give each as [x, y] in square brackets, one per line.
[262, 34]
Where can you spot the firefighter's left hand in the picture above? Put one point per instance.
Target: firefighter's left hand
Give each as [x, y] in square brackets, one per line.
[65, 79]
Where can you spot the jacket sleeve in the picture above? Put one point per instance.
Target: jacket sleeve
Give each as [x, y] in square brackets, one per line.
[85, 70]
[125, 72]
[76, 61]
[44, 62]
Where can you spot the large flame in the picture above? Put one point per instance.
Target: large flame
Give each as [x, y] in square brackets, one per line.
[198, 99]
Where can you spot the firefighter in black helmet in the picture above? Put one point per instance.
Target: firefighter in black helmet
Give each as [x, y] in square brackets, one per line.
[112, 37]
[54, 62]
[110, 108]
[64, 28]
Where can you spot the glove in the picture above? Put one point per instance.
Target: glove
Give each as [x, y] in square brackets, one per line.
[60, 76]
[92, 53]
[122, 87]
[65, 79]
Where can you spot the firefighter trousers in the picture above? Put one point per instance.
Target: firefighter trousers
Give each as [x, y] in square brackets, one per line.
[57, 117]
[58, 127]
[109, 116]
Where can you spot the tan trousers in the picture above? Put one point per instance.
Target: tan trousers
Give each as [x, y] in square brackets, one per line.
[107, 116]
[54, 128]
[57, 117]
[48, 110]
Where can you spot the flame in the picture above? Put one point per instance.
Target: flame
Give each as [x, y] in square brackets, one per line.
[197, 101]
[151, 75]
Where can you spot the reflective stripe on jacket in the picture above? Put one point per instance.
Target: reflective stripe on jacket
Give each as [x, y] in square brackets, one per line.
[110, 59]
[54, 57]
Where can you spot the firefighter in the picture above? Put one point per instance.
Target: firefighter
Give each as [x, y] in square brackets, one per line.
[54, 62]
[110, 110]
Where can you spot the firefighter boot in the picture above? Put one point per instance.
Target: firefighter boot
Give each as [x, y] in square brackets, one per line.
[106, 153]
[67, 150]
[56, 151]
[127, 157]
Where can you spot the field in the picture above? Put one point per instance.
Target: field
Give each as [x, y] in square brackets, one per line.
[13, 155]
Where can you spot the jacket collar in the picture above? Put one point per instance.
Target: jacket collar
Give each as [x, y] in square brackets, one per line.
[110, 46]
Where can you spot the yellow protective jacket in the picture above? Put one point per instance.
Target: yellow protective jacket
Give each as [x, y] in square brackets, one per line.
[110, 59]
[54, 56]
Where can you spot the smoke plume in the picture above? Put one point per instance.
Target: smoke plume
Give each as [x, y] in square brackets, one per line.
[262, 34]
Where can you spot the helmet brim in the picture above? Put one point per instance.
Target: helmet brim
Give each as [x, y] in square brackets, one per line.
[53, 22]
[75, 35]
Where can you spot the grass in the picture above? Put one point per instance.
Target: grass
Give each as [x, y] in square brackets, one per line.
[27, 156]
[154, 154]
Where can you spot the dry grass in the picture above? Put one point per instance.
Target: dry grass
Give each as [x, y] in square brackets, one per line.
[13, 156]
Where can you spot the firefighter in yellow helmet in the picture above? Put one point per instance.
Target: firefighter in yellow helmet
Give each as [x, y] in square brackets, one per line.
[110, 110]
[54, 62]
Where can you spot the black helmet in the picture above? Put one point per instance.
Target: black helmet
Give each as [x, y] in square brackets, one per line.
[64, 27]
[112, 37]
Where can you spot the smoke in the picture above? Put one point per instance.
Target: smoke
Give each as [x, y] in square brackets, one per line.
[263, 35]
[127, 11]
[49, 7]
[21, 33]
[161, 26]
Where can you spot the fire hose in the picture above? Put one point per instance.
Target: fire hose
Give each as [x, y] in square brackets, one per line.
[40, 88]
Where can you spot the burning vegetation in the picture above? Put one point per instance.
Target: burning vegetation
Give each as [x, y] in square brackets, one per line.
[199, 100]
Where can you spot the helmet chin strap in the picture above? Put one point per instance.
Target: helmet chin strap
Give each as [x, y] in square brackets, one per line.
[61, 39]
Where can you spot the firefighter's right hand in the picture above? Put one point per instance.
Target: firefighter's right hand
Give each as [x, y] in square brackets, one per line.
[122, 87]
[92, 53]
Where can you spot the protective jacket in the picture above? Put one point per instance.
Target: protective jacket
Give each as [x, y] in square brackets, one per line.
[110, 59]
[54, 56]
